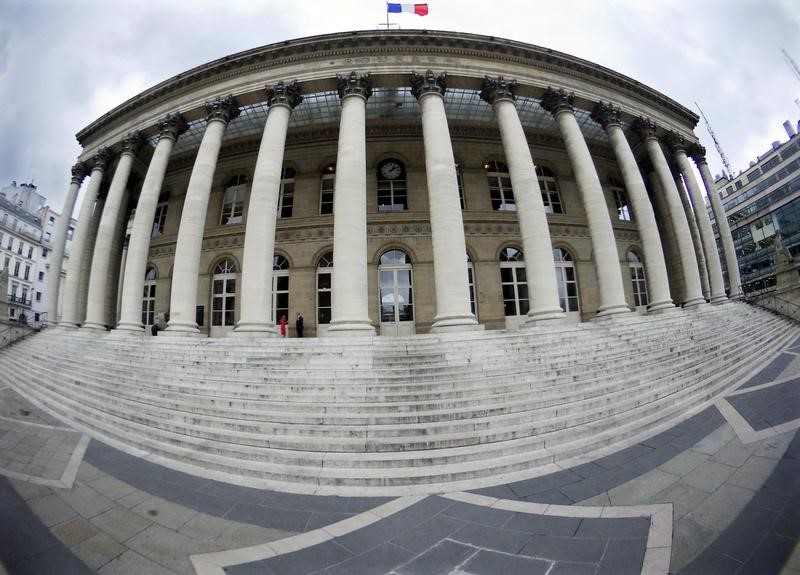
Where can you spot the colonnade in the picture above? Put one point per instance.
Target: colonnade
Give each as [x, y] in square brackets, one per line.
[350, 286]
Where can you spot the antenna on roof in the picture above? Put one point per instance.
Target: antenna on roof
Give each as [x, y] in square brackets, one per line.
[722, 155]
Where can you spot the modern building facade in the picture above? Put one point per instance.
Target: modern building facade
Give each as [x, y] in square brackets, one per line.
[389, 182]
[762, 205]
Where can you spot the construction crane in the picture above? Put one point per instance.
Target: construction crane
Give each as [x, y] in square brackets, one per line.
[722, 155]
[792, 64]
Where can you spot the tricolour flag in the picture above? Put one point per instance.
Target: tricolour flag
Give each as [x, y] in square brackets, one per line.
[418, 9]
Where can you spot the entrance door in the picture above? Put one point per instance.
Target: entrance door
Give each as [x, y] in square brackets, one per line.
[396, 294]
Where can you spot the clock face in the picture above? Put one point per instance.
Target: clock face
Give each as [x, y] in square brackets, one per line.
[391, 170]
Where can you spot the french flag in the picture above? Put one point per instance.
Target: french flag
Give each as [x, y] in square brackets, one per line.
[418, 9]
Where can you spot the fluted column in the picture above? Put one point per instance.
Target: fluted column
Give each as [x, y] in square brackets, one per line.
[606, 255]
[717, 284]
[349, 283]
[693, 294]
[654, 263]
[537, 248]
[70, 316]
[183, 297]
[259, 239]
[451, 281]
[696, 241]
[98, 278]
[138, 245]
[79, 172]
[698, 154]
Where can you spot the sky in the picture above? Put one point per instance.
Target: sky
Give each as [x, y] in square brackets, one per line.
[64, 63]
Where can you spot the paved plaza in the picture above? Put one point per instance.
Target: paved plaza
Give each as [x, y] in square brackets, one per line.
[718, 492]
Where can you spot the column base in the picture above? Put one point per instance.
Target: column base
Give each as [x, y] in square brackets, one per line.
[182, 330]
[129, 326]
[694, 302]
[350, 328]
[613, 310]
[455, 327]
[544, 314]
[94, 326]
[661, 307]
[68, 325]
[718, 299]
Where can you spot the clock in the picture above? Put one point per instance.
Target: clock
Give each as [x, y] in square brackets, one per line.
[391, 170]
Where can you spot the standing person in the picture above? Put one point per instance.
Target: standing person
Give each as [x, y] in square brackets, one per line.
[298, 325]
[283, 325]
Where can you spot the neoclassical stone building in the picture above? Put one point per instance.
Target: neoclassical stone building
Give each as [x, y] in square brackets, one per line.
[389, 182]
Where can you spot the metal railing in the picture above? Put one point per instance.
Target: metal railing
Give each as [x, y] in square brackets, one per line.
[769, 300]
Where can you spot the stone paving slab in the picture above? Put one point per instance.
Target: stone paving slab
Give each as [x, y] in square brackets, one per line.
[773, 369]
[769, 406]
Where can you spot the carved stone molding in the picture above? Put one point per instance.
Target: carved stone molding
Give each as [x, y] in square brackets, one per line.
[225, 109]
[79, 172]
[498, 88]
[645, 127]
[428, 83]
[171, 126]
[675, 142]
[102, 158]
[354, 84]
[132, 142]
[556, 101]
[607, 115]
[698, 154]
[284, 94]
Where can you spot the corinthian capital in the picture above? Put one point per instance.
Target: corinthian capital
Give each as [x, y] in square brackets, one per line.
[555, 101]
[102, 157]
[698, 154]
[132, 142]
[354, 84]
[286, 94]
[498, 88]
[225, 109]
[607, 115]
[171, 126]
[79, 171]
[427, 83]
[645, 127]
[675, 142]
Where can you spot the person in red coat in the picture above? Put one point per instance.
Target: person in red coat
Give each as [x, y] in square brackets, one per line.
[283, 326]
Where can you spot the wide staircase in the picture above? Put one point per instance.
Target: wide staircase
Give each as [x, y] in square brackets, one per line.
[387, 415]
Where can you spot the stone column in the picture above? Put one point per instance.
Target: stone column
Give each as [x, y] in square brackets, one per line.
[71, 316]
[349, 281]
[86, 268]
[698, 154]
[655, 266]
[447, 227]
[696, 241]
[604, 244]
[79, 171]
[98, 278]
[536, 245]
[262, 211]
[691, 278]
[138, 245]
[183, 297]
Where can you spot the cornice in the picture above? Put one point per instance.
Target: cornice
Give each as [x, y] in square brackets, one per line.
[354, 46]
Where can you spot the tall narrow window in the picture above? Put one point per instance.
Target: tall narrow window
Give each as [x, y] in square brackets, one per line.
[513, 281]
[460, 182]
[637, 279]
[324, 274]
[27, 272]
[223, 293]
[551, 197]
[30, 251]
[233, 201]
[500, 191]
[286, 198]
[280, 288]
[565, 280]
[392, 186]
[149, 296]
[159, 220]
[620, 199]
[396, 287]
[326, 183]
[471, 283]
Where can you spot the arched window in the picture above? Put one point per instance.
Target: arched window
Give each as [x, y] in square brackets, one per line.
[514, 282]
[500, 191]
[280, 288]
[566, 281]
[232, 201]
[324, 276]
[223, 293]
[471, 282]
[620, 199]
[551, 197]
[149, 296]
[286, 198]
[637, 279]
[396, 289]
[326, 185]
[392, 186]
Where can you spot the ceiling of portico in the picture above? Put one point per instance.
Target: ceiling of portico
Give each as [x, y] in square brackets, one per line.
[323, 109]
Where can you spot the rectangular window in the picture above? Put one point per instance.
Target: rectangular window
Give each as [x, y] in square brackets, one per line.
[159, 220]
[41, 276]
[38, 296]
[1, 237]
[30, 252]
[70, 232]
[52, 220]
[27, 272]
[7, 263]
[326, 195]
[232, 205]
[10, 243]
[44, 252]
[16, 269]
[20, 247]
[621, 201]
[286, 200]
[47, 236]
